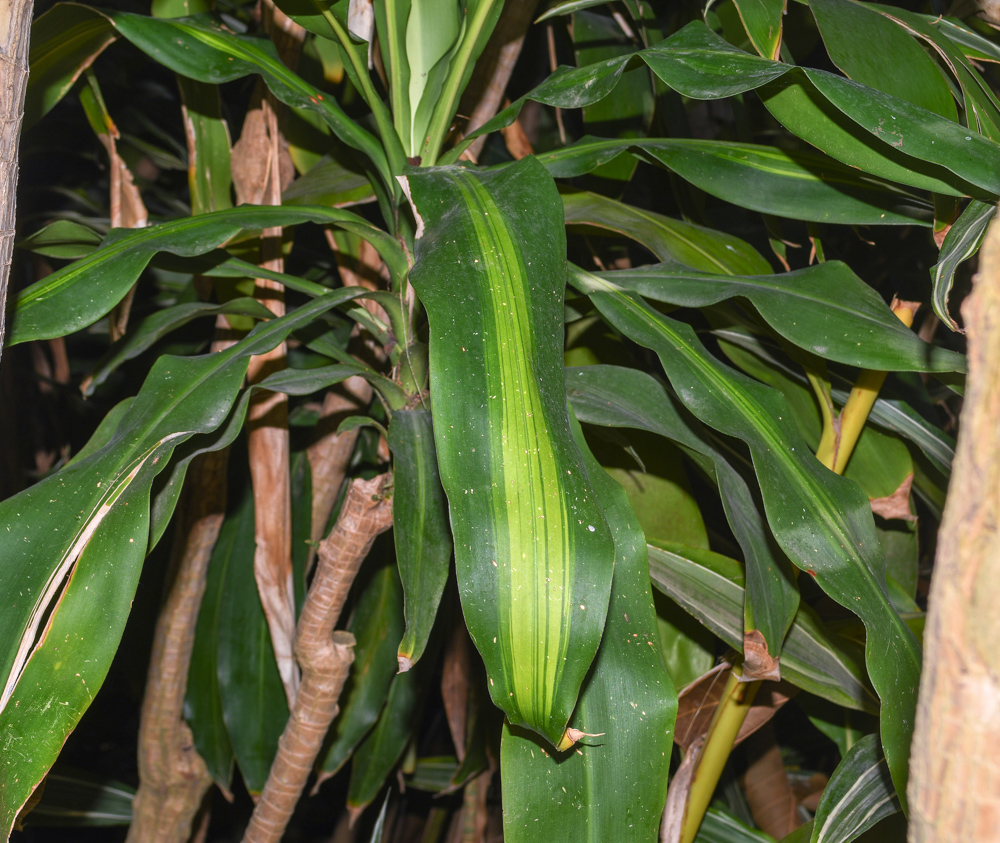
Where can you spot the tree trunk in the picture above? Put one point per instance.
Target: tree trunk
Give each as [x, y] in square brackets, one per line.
[955, 766]
[15, 28]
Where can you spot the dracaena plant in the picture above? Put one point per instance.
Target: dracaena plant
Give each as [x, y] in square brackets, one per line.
[724, 433]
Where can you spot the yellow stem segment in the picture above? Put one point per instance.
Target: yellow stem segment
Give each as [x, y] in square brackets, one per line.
[737, 697]
[840, 436]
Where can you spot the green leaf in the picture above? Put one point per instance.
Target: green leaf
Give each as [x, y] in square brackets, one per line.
[533, 553]
[308, 381]
[825, 309]
[822, 521]
[798, 105]
[74, 545]
[891, 411]
[432, 31]
[710, 587]
[618, 397]
[84, 291]
[77, 798]
[799, 185]
[330, 183]
[860, 793]
[377, 625]
[390, 18]
[974, 45]
[981, 104]
[611, 786]
[915, 131]
[64, 43]
[201, 50]
[567, 7]
[480, 18]
[871, 49]
[597, 37]
[693, 245]
[378, 753]
[62, 239]
[420, 528]
[657, 486]
[762, 20]
[720, 826]
[156, 326]
[69, 663]
[699, 64]
[960, 244]
[203, 700]
[253, 700]
[210, 176]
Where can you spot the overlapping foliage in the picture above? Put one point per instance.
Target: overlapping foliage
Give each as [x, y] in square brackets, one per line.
[718, 141]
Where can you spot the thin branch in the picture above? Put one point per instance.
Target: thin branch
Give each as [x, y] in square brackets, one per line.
[324, 655]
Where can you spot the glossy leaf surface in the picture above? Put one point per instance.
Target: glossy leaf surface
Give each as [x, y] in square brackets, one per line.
[859, 794]
[611, 786]
[822, 521]
[90, 523]
[618, 397]
[420, 528]
[825, 309]
[533, 553]
[711, 588]
[84, 291]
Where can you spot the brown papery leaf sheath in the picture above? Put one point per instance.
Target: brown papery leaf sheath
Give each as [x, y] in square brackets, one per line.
[324, 655]
[261, 171]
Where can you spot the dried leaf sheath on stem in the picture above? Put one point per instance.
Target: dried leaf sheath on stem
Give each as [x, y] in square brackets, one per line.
[259, 175]
[330, 454]
[324, 655]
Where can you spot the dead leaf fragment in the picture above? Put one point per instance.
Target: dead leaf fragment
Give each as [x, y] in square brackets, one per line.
[758, 663]
[896, 505]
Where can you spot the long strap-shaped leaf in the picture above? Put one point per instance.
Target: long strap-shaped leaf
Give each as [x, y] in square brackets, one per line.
[72, 550]
[822, 521]
[84, 291]
[614, 788]
[533, 552]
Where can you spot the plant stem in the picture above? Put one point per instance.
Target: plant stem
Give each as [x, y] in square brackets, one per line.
[172, 776]
[391, 142]
[737, 697]
[835, 450]
[952, 786]
[324, 655]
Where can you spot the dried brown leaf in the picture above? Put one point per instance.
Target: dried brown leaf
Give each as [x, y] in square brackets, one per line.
[758, 663]
[896, 505]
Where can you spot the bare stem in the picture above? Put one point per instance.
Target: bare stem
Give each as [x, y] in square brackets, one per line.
[172, 776]
[324, 655]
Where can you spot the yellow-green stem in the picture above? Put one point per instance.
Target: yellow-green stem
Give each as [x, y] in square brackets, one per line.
[828, 441]
[737, 697]
[387, 131]
[848, 428]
